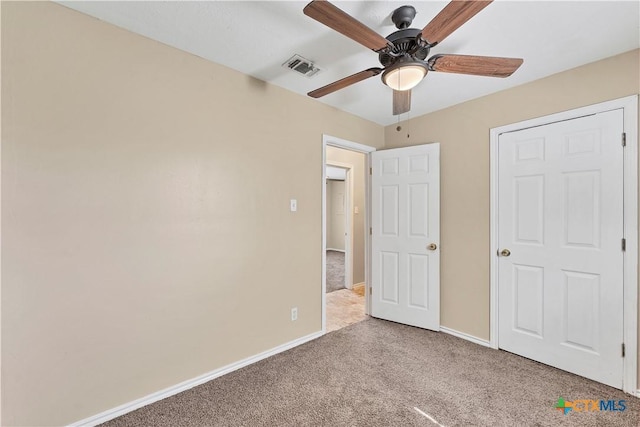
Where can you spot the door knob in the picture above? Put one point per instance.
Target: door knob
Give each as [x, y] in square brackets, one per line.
[432, 246]
[505, 252]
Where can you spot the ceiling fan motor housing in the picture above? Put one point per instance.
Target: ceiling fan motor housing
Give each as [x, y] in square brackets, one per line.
[403, 17]
[405, 42]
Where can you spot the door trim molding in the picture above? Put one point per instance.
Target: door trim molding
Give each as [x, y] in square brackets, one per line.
[629, 105]
[328, 140]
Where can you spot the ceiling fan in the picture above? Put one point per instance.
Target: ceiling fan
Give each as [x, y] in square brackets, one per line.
[403, 53]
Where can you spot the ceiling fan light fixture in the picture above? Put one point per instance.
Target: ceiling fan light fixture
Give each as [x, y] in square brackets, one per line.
[404, 75]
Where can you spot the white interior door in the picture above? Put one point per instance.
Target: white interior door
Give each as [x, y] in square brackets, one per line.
[405, 257]
[560, 214]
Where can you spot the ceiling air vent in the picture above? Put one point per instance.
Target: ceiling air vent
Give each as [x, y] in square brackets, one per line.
[301, 65]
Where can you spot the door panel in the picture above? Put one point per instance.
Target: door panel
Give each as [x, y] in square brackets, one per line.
[581, 192]
[390, 275]
[581, 310]
[418, 269]
[389, 205]
[560, 211]
[418, 205]
[529, 204]
[406, 219]
[528, 291]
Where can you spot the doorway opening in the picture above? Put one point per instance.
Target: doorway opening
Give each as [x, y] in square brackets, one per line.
[345, 240]
[338, 226]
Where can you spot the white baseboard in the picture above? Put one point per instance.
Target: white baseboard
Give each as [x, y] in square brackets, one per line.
[354, 285]
[464, 336]
[337, 250]
[186, 385]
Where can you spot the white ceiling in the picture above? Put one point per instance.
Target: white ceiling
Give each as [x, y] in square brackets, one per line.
[256, 37]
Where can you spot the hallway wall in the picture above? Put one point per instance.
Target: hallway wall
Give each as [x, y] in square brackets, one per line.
[336, 213]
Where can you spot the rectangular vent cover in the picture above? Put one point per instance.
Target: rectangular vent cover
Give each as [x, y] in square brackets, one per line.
[301, 65]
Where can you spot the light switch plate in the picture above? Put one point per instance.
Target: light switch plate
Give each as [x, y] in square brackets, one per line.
[294, 205]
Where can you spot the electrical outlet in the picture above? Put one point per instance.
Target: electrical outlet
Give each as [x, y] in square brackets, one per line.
[294, 314]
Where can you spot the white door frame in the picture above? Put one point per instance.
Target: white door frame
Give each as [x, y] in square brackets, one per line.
[348, 221]
[630, 257]
[328, 140]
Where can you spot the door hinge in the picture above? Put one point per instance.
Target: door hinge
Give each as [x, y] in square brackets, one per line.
[624, 244]
[370, 171]
[370, 291]
[624, 139]
[623, 350]
[370, 230]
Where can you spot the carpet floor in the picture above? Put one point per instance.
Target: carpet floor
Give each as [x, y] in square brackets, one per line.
[378, 373]
[335, 271]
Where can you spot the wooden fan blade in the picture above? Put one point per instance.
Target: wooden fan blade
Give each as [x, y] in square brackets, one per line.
[450, 19]
[476, 65]
[401, 101]
[342, 83]
[329, 15]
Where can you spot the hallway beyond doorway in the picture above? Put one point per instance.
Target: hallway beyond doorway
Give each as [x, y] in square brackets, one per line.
[335, 271]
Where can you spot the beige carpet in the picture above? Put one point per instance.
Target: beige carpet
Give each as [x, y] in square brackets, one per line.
[374, 373]
[335, 271]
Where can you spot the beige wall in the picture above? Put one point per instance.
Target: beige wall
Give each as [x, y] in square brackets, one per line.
[336, 211]
[463, 131]
[147, 237]
[358, 161]
[139, 207]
